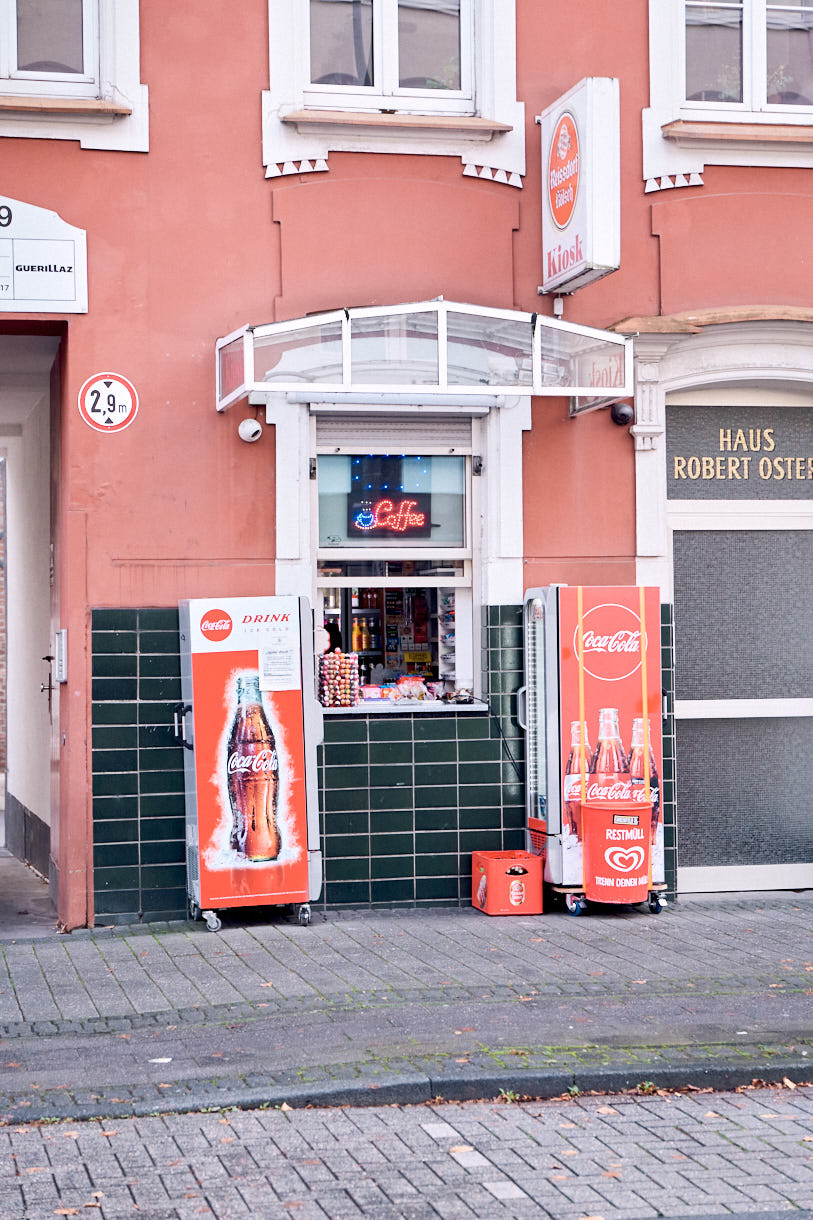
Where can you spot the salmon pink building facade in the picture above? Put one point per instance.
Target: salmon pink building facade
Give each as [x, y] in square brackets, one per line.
[289, 303]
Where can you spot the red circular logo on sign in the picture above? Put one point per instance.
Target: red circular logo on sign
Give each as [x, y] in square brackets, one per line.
[563, 171]
[611, 642]
[216, 625]
[108, 402]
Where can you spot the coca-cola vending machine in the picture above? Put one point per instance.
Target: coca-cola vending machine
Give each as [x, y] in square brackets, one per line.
[250, 723]
[591, 708]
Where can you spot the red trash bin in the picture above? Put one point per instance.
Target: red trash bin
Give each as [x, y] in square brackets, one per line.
[506, 882]
[617, 850]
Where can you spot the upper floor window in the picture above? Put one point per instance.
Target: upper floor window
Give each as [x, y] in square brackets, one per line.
[751, 54]
[50, 46]
[391, 54]
[70, 70]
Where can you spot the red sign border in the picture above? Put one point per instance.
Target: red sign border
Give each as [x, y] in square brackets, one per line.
[83, 409]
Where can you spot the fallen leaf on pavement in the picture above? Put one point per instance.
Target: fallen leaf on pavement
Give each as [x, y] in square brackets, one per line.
[611, 1173]
[788, 1083]
[462, 1148]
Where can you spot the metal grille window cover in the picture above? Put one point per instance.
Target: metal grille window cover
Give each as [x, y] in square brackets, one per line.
[346, 432]
[743, 614]
[441, 346]
[739, 453]
[743, 795]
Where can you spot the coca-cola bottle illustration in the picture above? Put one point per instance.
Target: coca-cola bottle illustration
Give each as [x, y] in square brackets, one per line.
[253, 776]
[573, 776]
[637, 772]
[609, 770]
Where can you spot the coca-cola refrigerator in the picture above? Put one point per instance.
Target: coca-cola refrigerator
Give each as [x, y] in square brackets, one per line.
[250, 724]
[592, 711]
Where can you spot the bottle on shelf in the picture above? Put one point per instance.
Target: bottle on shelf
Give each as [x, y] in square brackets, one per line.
[365, 635]
[355, 640]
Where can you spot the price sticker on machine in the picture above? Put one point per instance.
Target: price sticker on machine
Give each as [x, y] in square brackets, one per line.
[108, 402]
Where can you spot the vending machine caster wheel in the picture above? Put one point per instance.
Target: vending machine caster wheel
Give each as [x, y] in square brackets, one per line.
[212, 921]
[194, 909]
[304, 914]
[575, 903]
[655, 904]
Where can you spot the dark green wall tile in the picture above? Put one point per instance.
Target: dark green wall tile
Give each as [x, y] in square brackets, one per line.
[161, 781]
[431, 798]
[154, 689]
[162, 876]
[348, 823]
[344, 730]
[392, 866]
[390, 777]
[163, 851]
[346, 869]
[160, 666]
[169, 759]
[479, 773]
[437, 865]
[436, 819]
[347, 892]
[339, 800]
[158, 641]
[114, 855]
[113, 902]
[114, 760]
[434, 751]
[480, 840]
[480, 794]
[385, 753]
[430, 842]
[116, 878]
[164, 804]
[436, 887]
[473, 726]
[346, 754]
[152, 736]
[114, 713]
[514, 840]
[113, 690]
[390, 728]
[115, 784]
[120, 737]
[436, 728]
[391, 844]
[162, 828]
[123, 831]
[172, 902]
[479, 750]
[107, 808]
[392, 891]
[114, 620]
[158, 618]
[391, 798]
[111, 665]
[388, 821]
[436, 775]
[112, 641]
[487, 818]
[156, 713]
[347, 845]
[346, 777]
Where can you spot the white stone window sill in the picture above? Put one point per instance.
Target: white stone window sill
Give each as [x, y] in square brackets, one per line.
[689, 131]
[43, 104]
[471, 126]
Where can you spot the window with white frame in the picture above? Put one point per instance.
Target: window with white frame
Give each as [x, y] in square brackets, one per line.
[435, 77]
[716, 65]
[750, 54]
[391, 53]
[69, 69]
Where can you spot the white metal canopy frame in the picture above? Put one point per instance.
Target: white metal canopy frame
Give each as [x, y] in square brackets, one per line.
[436, 347]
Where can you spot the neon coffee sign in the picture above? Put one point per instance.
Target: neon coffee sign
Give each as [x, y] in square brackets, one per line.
[401, 518]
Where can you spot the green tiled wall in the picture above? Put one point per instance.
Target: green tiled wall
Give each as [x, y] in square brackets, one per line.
[404, 799]
[138, 802]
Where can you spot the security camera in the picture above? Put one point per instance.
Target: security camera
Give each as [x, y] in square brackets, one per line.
[249, 430]
[622, 413]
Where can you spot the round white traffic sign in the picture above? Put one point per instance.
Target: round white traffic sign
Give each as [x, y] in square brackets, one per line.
[108, 402]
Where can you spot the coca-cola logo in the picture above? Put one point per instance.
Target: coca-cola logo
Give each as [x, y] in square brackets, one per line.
[216, 625]
[625, 859]
[263, 760]
[611, 642]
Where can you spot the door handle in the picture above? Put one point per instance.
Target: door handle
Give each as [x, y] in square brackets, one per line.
[179, 719]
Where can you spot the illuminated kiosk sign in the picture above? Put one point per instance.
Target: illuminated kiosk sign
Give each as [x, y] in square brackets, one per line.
[382, 516]
[581, 186]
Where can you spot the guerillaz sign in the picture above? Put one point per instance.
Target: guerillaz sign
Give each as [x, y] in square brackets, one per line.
[43, 261]
[739, 453]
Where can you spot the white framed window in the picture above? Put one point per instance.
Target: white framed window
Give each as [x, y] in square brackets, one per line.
[417, 76]
[409, 55]
[731, 83]
[70, 69]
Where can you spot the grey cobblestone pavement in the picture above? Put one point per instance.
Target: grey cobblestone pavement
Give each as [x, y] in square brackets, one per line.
[367, 1007]
[747, 1153]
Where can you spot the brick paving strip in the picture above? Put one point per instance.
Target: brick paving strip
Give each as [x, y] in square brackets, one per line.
[746, 1153]
[405, 1006]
